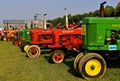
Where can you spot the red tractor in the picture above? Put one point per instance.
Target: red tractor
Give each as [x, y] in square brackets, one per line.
[59, 40]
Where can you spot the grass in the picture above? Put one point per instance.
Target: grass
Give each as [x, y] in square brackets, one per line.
[15, 66]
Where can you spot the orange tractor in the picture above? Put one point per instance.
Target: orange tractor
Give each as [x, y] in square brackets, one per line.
[11, 34]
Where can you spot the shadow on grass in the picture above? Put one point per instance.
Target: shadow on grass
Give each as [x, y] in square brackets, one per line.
[113, 63]
[68, 61]
[48, 59]
[71, 70]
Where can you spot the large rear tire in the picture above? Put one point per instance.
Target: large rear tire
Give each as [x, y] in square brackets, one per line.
[92, 65]
[113, 55]
[76, 61]
[33, 51]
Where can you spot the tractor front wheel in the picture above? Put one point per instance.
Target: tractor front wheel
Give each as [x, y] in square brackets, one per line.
[57, 56]
[33, 51]
[15, 41]
[8, 39]
[24, 46]
[92, 65]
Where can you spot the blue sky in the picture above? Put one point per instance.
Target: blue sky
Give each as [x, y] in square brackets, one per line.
[26, 9]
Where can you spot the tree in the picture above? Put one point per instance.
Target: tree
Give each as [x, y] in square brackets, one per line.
[118, 9]
[109, 11]
[97, 13]
[91, 14]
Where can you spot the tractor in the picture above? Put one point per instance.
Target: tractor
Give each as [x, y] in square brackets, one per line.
[22, 39]
[59, 40]
[23, 36]
[10, 34]
[2, 34]
[100, 37]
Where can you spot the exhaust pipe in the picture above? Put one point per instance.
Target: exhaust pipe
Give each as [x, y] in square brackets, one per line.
[102, 9]
[31, 25]
[44, 21]
[66, 19]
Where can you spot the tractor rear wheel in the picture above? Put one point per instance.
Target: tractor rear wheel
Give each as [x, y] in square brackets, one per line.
[33, 51]
[57, 56]
[16, 41]
[92, 65]
[113, 55]
[76, 61]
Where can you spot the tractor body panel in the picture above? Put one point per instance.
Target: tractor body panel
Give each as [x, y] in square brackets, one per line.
[101, 33]
[56, 38]
[24, 35]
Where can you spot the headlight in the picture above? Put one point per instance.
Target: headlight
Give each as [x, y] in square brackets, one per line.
[28, 33]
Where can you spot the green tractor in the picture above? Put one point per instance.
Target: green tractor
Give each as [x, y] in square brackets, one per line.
[100, 37]
[23, 38]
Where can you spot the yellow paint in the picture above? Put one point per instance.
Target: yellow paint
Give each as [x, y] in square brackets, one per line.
[25, 47]
[84, 29]
[93, 67]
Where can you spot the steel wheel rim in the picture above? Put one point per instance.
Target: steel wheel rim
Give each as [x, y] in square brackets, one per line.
[16, 42]
[8, 39]
[33, 51]
[58, 57]
[93, 67]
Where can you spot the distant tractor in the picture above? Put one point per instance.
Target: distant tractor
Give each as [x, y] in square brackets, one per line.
[23, 37]
[10, 34]
[3, 33]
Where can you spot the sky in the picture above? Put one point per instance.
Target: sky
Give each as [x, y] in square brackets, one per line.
[26, 9]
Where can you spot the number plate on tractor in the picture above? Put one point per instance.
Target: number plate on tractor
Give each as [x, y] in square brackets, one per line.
[112, 47]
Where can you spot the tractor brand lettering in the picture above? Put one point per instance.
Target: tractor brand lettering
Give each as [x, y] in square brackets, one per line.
[67, 31]
[47, 31]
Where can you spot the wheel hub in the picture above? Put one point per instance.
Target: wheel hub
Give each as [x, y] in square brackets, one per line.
[16, 42]
[93, 67]
[58, 57]
[33, 51]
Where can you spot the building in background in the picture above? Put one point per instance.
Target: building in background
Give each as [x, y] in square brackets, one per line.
[20, 24]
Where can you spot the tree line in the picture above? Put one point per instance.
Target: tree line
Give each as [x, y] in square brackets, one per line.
[109, 11]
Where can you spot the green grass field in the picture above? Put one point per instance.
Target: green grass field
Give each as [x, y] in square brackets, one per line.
[15, 66]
